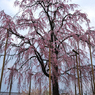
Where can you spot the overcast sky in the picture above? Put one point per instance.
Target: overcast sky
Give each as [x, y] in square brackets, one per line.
[87, 6]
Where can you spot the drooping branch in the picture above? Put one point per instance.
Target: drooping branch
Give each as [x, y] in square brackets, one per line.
[41, 62]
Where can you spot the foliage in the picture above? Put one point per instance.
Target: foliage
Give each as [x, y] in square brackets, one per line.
[58, 26]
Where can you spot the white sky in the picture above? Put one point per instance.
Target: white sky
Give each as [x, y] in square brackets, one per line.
[8, 7]
[87, 6]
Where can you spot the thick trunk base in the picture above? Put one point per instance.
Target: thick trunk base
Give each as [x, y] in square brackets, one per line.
[55, 89]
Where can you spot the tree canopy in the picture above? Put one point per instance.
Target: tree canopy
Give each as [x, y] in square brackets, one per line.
[44, 25]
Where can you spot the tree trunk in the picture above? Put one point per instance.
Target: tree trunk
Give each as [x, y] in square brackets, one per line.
[55, 86]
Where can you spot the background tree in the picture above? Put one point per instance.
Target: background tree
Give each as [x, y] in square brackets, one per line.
[58, 26]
